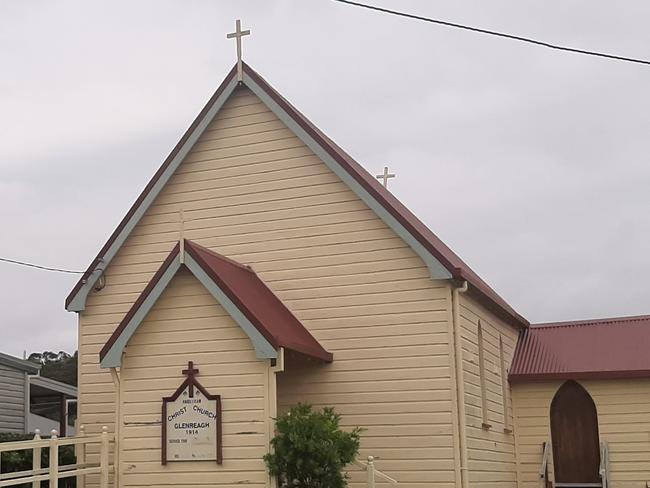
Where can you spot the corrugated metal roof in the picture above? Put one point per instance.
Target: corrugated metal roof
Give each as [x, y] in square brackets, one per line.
[250, 295]
[587, 349]
[260, 305]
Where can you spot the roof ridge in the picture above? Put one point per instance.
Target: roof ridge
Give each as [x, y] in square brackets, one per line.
[587, 322]
[453, 263]
[435, 253]
[217, 255]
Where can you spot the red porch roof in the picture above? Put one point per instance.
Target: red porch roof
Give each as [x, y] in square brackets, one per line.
[247, 292]
[260, 305]
[588, 349]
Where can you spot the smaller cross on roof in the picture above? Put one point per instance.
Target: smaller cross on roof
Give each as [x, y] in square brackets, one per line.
[385, 176]
[238, 34]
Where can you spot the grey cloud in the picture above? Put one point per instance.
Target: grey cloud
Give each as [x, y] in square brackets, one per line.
[531, 164]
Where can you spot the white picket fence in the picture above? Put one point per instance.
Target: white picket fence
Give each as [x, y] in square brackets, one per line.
[54, 472]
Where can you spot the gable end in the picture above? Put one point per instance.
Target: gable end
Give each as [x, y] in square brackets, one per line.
[440, 260]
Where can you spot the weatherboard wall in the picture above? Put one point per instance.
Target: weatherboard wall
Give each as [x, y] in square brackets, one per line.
[623, 408]
[254, 192]
[187, 324]
[12, 400]
[390, 376]
[490, 450]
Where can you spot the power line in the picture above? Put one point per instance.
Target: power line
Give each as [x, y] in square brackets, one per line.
[46, 268]
[496, 33]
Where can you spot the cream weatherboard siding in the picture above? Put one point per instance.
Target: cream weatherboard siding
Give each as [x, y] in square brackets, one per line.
[12, 399]
[254, 192]
[390, 375]
[532, 403]
[623, 408]
[187, 324]
[491, 452]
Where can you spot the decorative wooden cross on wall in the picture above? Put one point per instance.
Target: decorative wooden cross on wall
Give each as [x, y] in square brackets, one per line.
[385, 176]
[182, 221]
[181, 235]
[238, 34]
[190, 372]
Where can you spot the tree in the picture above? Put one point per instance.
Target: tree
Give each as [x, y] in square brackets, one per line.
[311, 450]
[57, 366]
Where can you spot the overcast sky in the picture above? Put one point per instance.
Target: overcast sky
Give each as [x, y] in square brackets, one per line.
[531, 164]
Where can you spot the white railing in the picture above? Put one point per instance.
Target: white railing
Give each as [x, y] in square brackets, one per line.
[543, 470]
[603, 471]
[54, 472]
[373, 473]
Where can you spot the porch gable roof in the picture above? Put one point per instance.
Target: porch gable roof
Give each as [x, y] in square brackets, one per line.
[268, 323]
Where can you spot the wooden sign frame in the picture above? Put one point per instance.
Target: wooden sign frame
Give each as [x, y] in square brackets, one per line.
[191, 383]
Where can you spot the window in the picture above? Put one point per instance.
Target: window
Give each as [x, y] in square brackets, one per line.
[504, 387]
[481, 367]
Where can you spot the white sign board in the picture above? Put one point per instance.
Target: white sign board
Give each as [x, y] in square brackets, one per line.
[191, 425]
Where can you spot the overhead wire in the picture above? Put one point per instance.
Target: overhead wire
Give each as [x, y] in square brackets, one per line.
[38, 266]
[505, 35]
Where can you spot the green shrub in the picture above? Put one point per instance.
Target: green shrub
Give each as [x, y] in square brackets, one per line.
[311, 450]
[13, 461]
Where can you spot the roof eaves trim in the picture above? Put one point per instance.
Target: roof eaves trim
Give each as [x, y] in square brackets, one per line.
[112, 356]
[436, 269]
[263, 348]
[77, 299]
[21, 364]
[54, 385]
[578, 375]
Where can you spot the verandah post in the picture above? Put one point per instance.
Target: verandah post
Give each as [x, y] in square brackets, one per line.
[103, 459]
[54, 460]
[36, 458]
[370, 471]
[80, 452]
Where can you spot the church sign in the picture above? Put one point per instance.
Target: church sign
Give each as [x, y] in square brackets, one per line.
[191, 422]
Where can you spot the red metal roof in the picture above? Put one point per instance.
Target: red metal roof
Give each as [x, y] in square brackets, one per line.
[260, 305]
[450, 260]
[456, 266]
[588, 349]
[249, 294]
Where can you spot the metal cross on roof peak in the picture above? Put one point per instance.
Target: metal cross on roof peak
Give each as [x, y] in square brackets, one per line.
[238, 34]
[385, 176]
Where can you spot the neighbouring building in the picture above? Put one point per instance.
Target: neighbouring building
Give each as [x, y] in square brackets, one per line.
[262, 266]
[29, 401]
[584, 389]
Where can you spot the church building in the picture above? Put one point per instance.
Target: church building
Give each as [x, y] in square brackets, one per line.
[262, 267]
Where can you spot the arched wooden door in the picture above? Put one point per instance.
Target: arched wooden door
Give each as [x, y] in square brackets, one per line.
[574, 434]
